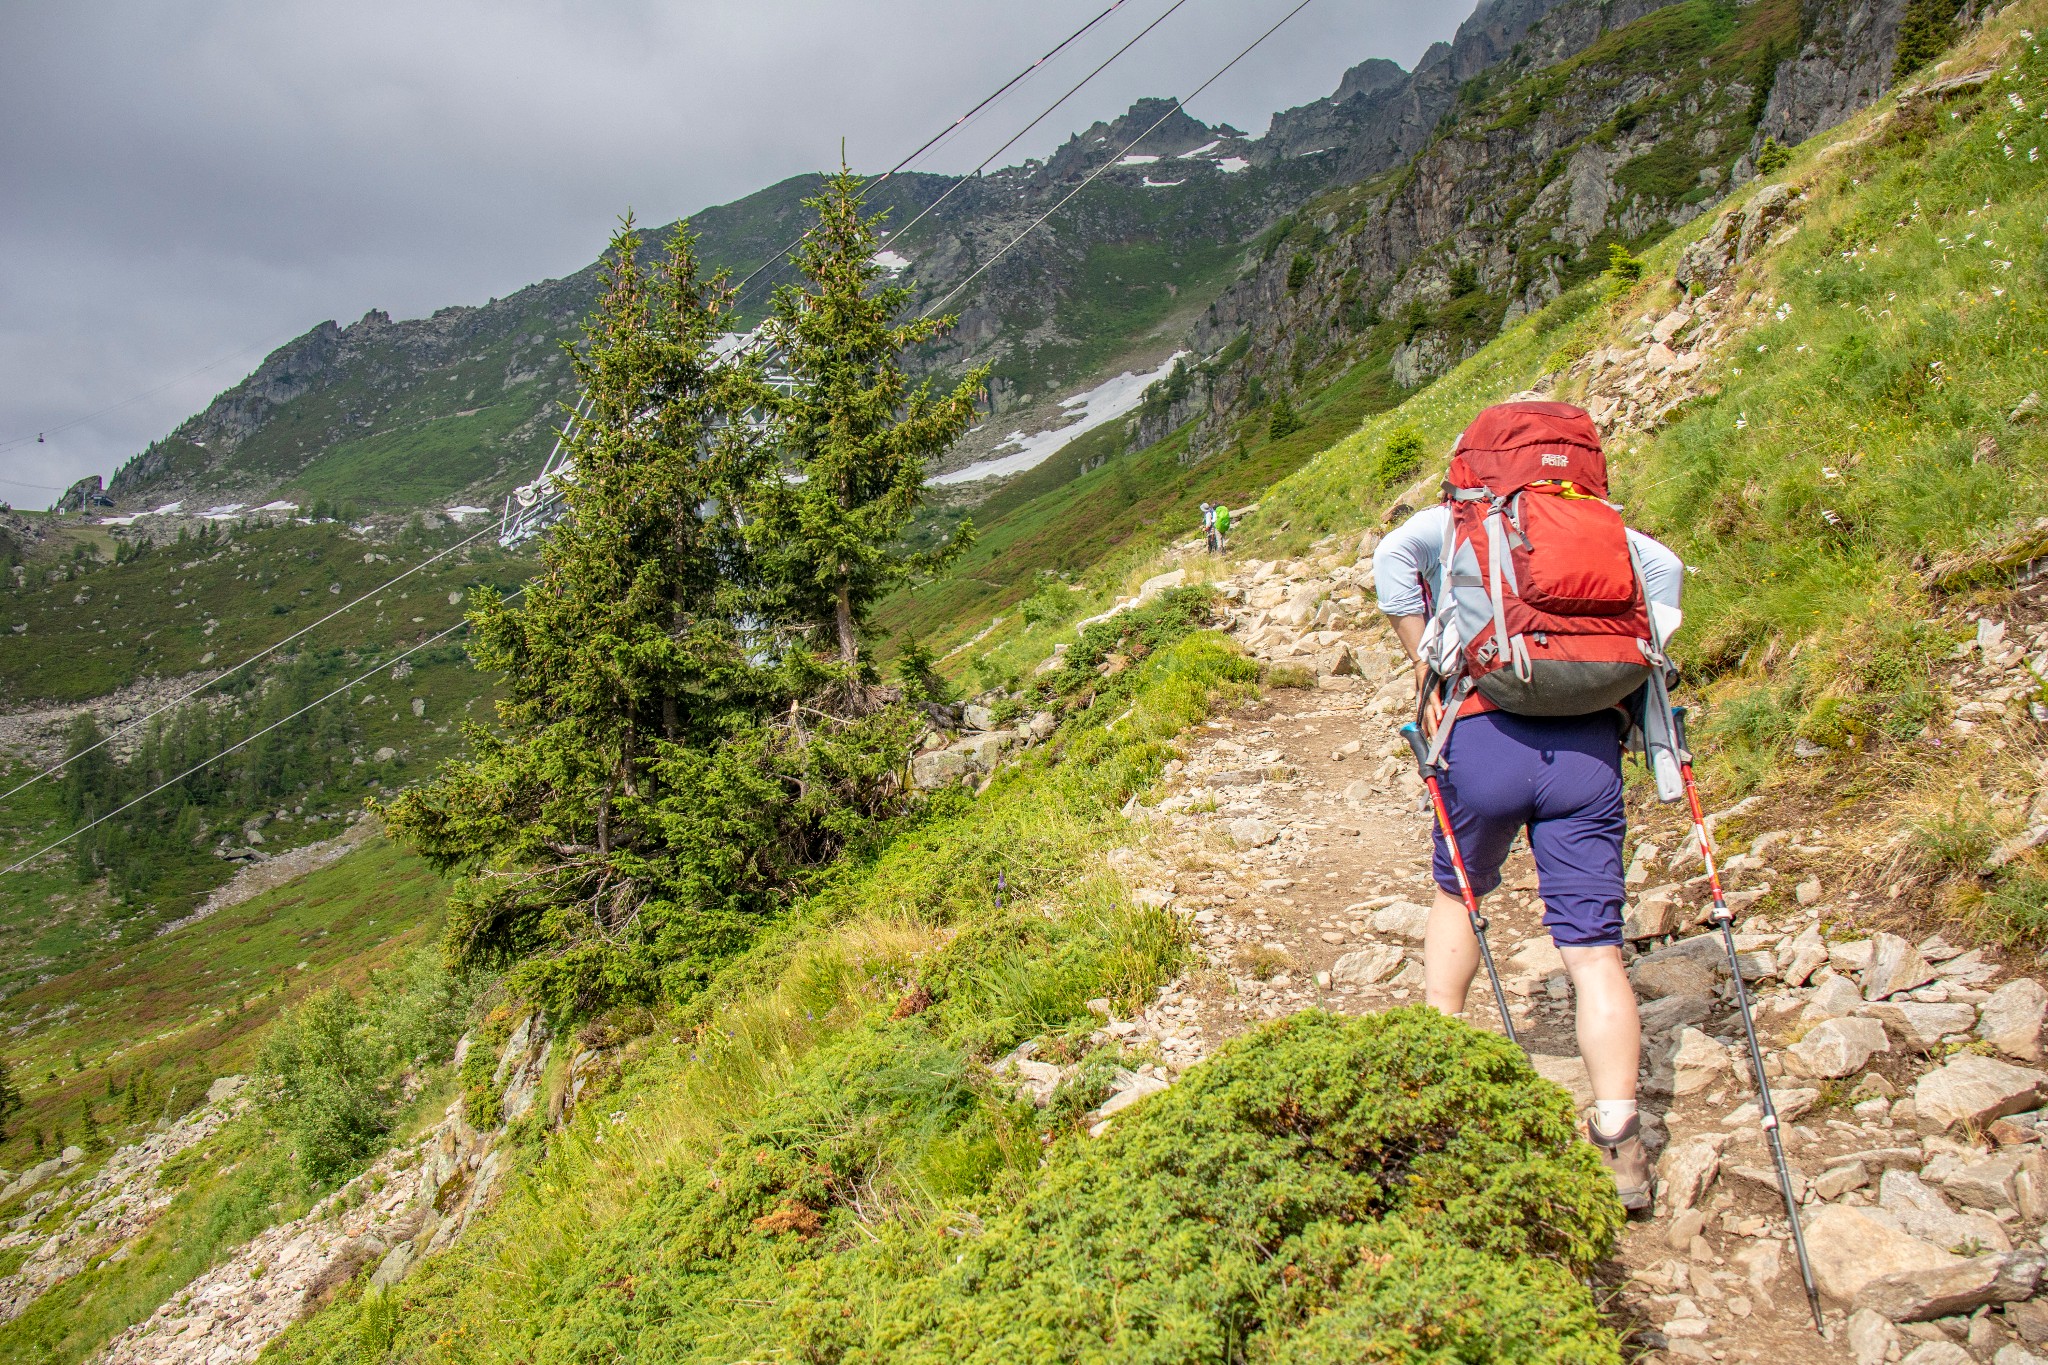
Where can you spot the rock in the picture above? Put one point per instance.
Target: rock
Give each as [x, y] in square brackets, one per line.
[1675, 1011]
[1042, 725]
[1136, 1088]
[1358, 792]
[383, 755]
[1698, 1063]
[1038, 1080]
[2011, 1019]
[1988, 1184]
[1251, 832]
[2030, 1320]
[1938, 1353]
[1849, 1248]
[1920, 1026]
[1567, 1072]
[1538, 958]
[1871, 1338]
[1403, 918]
[71, 1156]
[1366, 966]
[1850, 957]
[226, 1088]
[393, 1267]
[1926, 1293]
[1837, 1181]
[1895, 965]
[975, 716]
[1687, 1168]
[1807, 892]
[2013, 1354]
[1804, 956]
[1656, 912]
[943, 767]
[1836, 1047]
[1922, 1212]
[1975, 1090]
[1656, 977]
[1832, 999]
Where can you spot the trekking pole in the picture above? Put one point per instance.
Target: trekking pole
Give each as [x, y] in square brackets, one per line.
[1725, 919]
[1413, 734]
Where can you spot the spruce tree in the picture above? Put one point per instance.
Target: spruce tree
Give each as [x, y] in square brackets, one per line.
[626, 641]
[856, 438]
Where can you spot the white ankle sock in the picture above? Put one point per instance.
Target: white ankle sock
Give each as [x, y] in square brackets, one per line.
[1611, 1116]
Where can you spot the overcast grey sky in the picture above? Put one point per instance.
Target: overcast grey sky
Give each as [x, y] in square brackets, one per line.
[183, 179]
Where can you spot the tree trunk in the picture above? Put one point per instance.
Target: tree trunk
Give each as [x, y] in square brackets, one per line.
[849, 648]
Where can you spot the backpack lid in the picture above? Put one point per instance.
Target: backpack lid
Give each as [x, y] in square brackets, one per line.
[1512, 445]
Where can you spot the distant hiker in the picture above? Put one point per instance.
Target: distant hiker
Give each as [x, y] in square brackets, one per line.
[1525, 665]
[1222, 526]
[1209, 525]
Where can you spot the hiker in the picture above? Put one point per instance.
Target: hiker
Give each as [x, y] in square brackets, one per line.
[1536, 720]
[1222, 526]
[1209, 526]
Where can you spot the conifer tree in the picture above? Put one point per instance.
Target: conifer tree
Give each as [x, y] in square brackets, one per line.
[626, 642]
[856, 437]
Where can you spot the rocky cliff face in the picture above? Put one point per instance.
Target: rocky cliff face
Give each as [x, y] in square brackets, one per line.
[1595, 124]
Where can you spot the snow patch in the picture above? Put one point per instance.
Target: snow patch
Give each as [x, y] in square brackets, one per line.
[1231, 165]
[1204, 149]
[1104, 403]
[1152, 184]
[1138, 159]
[892, 261]
[462, 513]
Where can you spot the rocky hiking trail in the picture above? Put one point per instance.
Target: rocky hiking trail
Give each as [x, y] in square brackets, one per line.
[1293, 839]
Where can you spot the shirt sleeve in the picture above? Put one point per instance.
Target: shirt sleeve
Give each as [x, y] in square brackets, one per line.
[1663, 571]
[1407, 562]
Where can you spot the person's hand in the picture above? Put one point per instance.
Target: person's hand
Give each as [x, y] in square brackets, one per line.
[1432, 704]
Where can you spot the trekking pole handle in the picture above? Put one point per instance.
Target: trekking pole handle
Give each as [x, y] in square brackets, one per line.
[1413, 734]
[1678, 732]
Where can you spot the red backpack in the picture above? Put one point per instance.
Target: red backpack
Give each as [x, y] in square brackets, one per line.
[1540, 582]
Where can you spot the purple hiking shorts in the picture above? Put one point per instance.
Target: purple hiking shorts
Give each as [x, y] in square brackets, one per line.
[1560, 777]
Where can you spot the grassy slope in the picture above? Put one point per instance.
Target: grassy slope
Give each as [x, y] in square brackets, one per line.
[188, 1008]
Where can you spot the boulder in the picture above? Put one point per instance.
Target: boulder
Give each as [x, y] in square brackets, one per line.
[1850, 957]
[1871, 1338]
[1367, 966]
[1836, 1047]
[1656, 912]
[975, 716]
[1938, 1353]
[1988, 1184]
[1803, 956]
[1922, 1212]
[1895, 965]
[941, 767]
[1920, 1026]
[2011, 1019]
[1405, 919]
[1837, 1181]
[1687, 1168]
[1849, 1248]
[1926, 1293]
[1672, 976]
[1674, 1012]
[1698, 1063]
[1252, 832]
[1975, 1090]
[1832, 999]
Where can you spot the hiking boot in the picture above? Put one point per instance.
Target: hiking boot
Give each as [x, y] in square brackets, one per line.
[1627, 1160]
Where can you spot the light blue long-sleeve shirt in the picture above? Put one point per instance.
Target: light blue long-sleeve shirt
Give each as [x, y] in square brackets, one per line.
[1410, 559]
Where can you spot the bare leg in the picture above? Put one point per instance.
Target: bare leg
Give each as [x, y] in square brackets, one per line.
[1450, 954]
[1610, 1030]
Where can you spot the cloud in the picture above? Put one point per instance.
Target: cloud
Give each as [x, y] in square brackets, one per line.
[192, 185]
